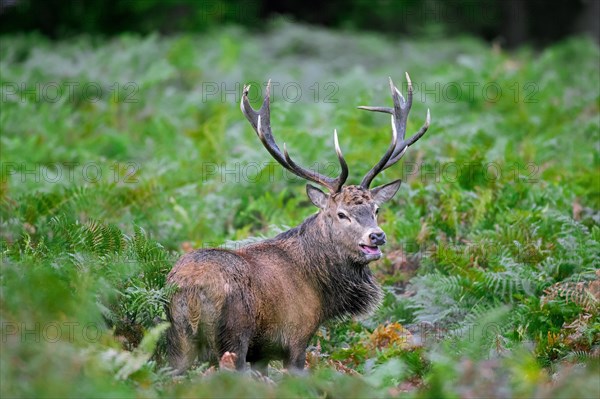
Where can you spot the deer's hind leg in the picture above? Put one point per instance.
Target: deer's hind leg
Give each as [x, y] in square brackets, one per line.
[182, 336]
[236, 328]
[236, 341]
[182, 350]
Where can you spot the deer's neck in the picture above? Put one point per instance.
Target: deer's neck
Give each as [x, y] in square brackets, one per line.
[345, 287]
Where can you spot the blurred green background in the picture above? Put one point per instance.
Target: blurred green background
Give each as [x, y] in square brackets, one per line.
[512, 22]
[123, 146]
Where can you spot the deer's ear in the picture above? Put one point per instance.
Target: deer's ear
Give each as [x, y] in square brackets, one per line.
[386, 192]
[317, 197]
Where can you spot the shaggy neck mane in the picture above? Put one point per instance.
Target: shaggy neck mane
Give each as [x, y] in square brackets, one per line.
[346, 288]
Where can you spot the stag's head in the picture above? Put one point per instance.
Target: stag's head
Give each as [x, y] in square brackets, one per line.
[351, 218]
[349, 212]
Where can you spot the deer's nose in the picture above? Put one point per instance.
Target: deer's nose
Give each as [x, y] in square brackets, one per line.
[377, 238]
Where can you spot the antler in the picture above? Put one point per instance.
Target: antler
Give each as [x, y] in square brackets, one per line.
[261, 122]
[399, 117]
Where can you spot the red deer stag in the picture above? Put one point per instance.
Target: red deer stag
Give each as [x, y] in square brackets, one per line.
[266, 300]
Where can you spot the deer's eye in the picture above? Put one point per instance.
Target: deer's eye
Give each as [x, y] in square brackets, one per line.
[377, 211]
[342, 216]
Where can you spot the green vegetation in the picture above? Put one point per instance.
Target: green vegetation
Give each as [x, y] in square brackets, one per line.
[132, 150]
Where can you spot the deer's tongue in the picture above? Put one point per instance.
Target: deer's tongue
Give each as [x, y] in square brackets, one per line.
[370, 250]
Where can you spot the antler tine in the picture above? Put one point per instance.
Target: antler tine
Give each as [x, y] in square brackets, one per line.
[402, 148]
[334, 185]
[366, 181]
[261, 122]
[399, 113]
[341, 179]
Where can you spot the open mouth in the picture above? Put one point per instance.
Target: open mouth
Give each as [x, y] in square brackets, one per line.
[370, 250]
